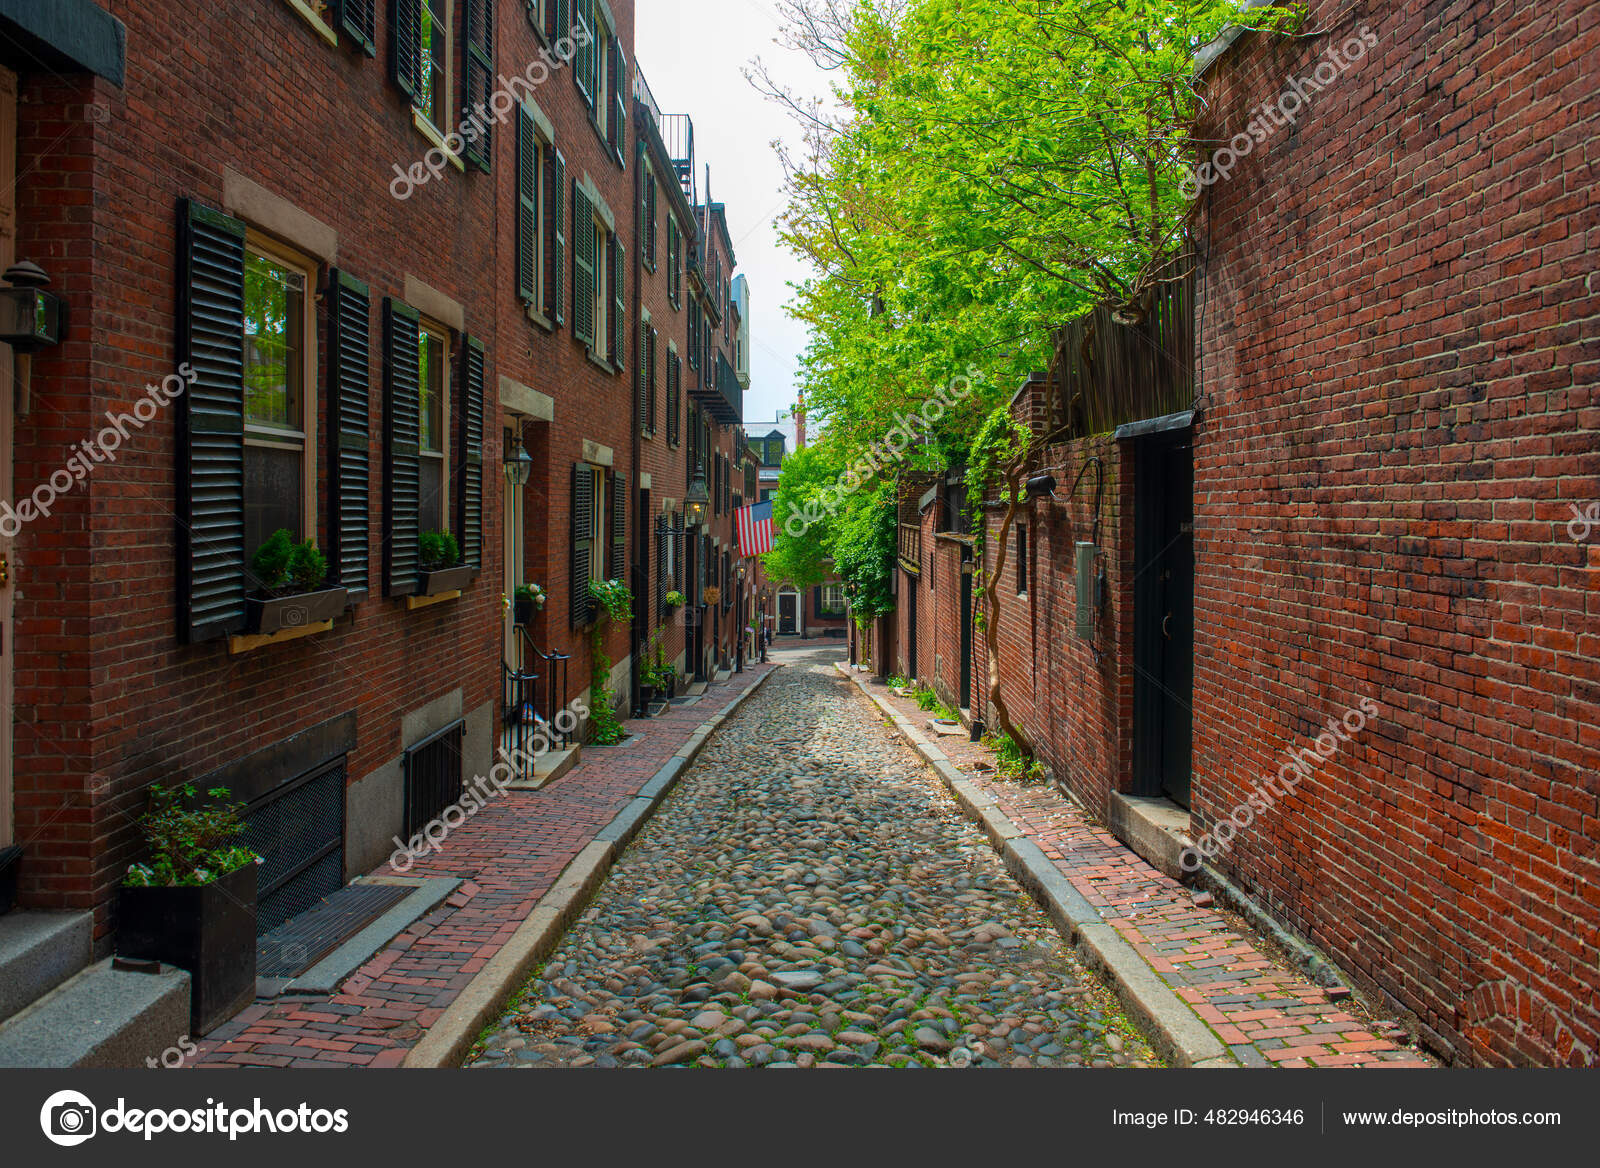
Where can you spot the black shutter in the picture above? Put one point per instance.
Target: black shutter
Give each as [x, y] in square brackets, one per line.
[469, 493]
[405, 45]
[478, 82]
[211, 582]
[583, 267]
[359, 20]
[663, 534]
[638, 380]
[349, 444]
[619, 317]
[558, 233]
[650, 377]
[582, 526]
[619, 527]
[583, 63]
[678, 550]
[401, 489]
[648, 212]
[527, 225]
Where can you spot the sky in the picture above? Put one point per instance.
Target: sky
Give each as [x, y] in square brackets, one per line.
[693, 54]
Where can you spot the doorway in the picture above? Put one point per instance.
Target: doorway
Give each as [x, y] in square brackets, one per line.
[788, 612]
[8, 397]
[512, 546]
[1163, 601]
[911, 583]
[966, 626]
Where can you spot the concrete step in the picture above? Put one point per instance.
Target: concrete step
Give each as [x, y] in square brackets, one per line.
[101, 1017]
[548, 767]
[721, 675]
[695, 689]
[39, 951]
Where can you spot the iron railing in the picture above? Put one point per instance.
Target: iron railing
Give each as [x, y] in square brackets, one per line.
[535, 696]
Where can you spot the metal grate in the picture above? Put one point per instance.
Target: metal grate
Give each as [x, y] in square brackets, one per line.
[299, 943]
[298, 830]
[433, 776]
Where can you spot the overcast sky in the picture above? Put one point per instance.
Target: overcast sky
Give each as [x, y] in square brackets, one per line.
[693, 53]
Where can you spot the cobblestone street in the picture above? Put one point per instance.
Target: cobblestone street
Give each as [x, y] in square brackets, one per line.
[810, 895]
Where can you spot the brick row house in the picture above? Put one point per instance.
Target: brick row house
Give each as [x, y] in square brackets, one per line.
[369, 274]
[1324, 602]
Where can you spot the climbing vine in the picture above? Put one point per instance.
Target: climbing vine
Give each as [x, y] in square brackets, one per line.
[999, 441]
[617, 603]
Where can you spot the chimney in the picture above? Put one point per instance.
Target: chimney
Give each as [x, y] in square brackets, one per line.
[800, 421]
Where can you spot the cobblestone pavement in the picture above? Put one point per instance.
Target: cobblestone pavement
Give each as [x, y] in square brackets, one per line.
[810, 895]
[1266, 1012]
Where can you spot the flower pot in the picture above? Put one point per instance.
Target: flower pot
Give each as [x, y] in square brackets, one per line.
[445, 580]
[276, 613]
[523, 611]
[647, 696]
[209, 930]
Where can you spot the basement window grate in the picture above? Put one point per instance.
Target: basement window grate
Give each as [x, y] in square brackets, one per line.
[298, 831]
[433, 776]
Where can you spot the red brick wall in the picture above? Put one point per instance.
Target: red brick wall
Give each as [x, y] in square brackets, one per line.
[1400, 372]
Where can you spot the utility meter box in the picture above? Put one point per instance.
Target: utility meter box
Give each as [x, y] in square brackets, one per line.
[1083, 574]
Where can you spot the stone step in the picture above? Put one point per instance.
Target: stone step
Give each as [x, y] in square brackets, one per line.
[39, 951]
[101, 1017]
[548, 767]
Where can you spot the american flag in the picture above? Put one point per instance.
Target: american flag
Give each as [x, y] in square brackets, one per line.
[755, 528]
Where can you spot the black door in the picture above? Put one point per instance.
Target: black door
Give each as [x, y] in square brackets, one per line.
[911, 626]
[1163, 599]
[966, 628]
[691, 609]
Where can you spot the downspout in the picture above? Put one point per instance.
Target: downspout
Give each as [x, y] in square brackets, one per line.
[641, 572]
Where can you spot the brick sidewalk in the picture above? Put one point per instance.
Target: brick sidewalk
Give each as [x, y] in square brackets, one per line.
[508, 856]
[1265, 1014]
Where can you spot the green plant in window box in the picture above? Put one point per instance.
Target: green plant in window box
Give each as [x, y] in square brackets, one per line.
[439, 558]
[291, 578]
[675, 599]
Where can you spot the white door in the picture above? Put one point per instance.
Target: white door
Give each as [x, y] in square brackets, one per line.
[8, 245]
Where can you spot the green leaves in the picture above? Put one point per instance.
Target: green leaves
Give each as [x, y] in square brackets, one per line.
[189, 845]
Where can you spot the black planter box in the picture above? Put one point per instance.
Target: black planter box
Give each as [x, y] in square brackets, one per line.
[208, 930]
[523, 611]
[647, 697]
[293, 612]
[445, 580]
[10, 863]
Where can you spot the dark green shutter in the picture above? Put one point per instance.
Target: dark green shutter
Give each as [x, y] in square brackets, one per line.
[558, 232]
[211, 582]
[349, 404]
[405, 45]
[527, 209]
[401, 489]
[619, 527]
[359, 20]
[619, 99]
[582, 526]
[558, 14]
[469, 492]
[650, 378]
[619, 316]
[583, 267]
[478, 80]
[638, 380]
[583, 63]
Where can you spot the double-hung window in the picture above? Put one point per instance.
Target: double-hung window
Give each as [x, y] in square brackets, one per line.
[433, 428]
[280, 408]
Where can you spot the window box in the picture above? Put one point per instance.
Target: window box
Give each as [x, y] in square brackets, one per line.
[274, 614]
[445, 580]
[209, 930]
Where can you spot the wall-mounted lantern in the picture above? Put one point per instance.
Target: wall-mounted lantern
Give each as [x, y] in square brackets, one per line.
[30, 319]
[695, 500]
[518, 466]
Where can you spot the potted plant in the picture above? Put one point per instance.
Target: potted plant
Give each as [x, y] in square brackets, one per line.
[713, 596]
[439, 557]
[192, 901]
[674, 600]
[291, 594]
[529, 599]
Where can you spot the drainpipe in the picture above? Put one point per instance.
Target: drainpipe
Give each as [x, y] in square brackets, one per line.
[641, 572]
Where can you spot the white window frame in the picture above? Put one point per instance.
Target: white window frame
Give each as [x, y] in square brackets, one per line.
[599, 522]
[829, 592]
[305, 438]
[429, 329]
[602, 292]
